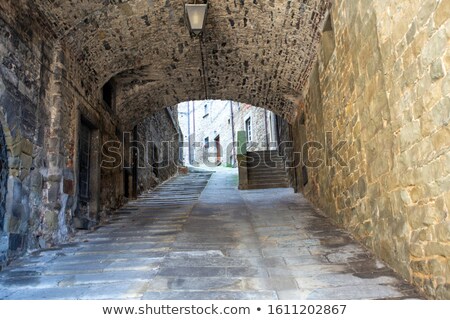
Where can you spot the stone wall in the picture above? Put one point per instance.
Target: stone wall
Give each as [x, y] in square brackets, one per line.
[21, 115]
[261, 122]
[215, 122]
[159, 134]
[45, 97]
[382, 85]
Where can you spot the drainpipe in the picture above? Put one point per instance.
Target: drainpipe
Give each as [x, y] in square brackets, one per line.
[189, 132]
[193, 130]
[267, 131]
[233, 151]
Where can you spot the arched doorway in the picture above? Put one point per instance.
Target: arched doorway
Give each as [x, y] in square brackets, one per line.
[3, 177]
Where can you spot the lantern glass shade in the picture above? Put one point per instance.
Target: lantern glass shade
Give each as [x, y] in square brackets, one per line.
[196, 16]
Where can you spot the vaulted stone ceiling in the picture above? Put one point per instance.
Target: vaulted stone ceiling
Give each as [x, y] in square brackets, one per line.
[254, 51]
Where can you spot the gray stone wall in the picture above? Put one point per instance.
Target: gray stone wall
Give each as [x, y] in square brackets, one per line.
[21, 116]
[159, 135]
[381, 84]
[45, 95]
[259, 117]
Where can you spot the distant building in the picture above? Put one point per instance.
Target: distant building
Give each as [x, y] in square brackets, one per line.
[210, 128]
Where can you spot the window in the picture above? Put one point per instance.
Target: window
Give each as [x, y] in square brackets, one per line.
[206, 111]
[248, 129]
[206, 142]
[108, 92]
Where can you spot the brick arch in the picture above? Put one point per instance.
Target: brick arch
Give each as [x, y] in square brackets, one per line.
[260, 52]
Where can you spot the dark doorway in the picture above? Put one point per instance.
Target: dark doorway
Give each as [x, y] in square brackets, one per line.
[218, 150]
[248, 129]
[155, 161]
[84, 174]
[135, 165]
[126, 183]
[3, 177]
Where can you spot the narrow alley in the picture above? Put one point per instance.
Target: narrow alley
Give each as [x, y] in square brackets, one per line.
[342, 105]
[198, 237]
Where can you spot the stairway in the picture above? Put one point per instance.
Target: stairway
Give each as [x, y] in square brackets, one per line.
[266, 170]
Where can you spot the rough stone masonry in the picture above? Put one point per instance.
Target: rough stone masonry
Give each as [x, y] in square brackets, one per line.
[51, 179]
[382, 85]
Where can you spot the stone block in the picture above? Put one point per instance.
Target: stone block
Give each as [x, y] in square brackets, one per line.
[36, 181]
[51, 220]
[27, 147]
[437, 70]
[420, 266]
[4, 242]
[438, 249]
[9, 75]
[68, 187]
[442, 13]
[53, 192]
[443, 292]
[14, 162]
[425, 12]
[434, 48]
[416, 216]
[410, 134]
[442, 231]
[441, 139]
[362, 187]
[447, 199]
[417, 250]
[405, 197]
[183, 170]
[16, 149]
[16, 242]
[81, 223]
[411, 33]
[440, 114]
[25, 161]
[434, 216]
[446, 86]
[14, 195]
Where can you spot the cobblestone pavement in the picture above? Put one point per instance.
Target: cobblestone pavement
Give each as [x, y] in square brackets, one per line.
[186, 242]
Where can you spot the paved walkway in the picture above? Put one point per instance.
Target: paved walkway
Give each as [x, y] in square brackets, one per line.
[186, 242]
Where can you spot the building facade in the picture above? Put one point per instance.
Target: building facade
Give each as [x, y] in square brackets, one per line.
[210, 127]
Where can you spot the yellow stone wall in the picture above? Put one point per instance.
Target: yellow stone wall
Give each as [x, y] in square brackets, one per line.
[382, 85]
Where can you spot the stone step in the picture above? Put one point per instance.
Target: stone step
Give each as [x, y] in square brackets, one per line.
[268, 180]
[267, 159]
[263, 152]
[266, 171]
[263, 172]
[252, 186]
[277, 174]
[265, 164]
